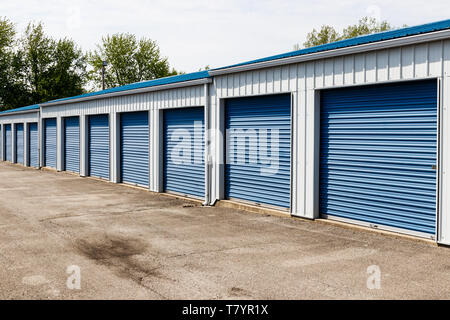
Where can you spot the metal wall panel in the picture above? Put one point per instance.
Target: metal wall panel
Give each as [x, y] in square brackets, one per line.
[184, 147]
[50, 142]
[72, 144]
[134, 148]
[378, 154]
[164, 99]
[444, 204]
[408, 62]
[19, 143]
[19, 118]
[99, 146]
[258, 149]
[33, 144]
[8, 143]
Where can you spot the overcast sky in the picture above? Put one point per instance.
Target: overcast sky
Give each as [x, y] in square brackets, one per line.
[196, 33]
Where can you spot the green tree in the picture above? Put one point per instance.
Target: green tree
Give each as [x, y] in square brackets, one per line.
[52, 69]
[328, 34]
[7, 33]
[36, 55]
[365, 25]
[7, 39]
[67, 74]
[42, 69]
[128, 60]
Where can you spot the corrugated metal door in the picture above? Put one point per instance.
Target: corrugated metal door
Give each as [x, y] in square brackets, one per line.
[33, 145]
[19, 143]
[8, 143]
[99, 146]
[134, 143]
[50, 143]
[258, 150]
[378, 155]
[184, 145]
[72, 144]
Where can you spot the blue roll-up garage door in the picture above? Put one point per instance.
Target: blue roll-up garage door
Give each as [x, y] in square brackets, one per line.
[184, 145]
[99, 146]
[33, 145]
[134, 138]
[72, 144]
[378, 155]
[19, 143]
[8, 143]
[50, 143]
[258, 150]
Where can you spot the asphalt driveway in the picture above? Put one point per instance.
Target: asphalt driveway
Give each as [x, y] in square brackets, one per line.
[58, 231]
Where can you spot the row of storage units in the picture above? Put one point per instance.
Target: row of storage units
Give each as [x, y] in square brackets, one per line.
[352, 136]
[378, 151]
[18, 147]
[182, 149]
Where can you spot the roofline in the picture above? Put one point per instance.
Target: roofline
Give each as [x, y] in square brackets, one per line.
[396, 42]
[130, 92]
[19, 112]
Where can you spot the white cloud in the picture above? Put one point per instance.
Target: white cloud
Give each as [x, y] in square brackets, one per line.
[196, 33]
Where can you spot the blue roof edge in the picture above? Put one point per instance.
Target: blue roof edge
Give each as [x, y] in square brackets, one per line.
[27, 108]
[143, 84]
[365, 39]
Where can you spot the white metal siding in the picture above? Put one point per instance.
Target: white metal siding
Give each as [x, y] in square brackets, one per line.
[20, 118]
[171, 98]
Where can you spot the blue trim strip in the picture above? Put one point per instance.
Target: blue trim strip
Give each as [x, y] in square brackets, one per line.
[143, 84]
[33, 107]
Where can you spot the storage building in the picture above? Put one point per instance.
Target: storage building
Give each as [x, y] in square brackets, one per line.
[355, 131]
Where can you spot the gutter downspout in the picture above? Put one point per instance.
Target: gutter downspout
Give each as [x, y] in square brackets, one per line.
[40, 138]
[207, 142]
